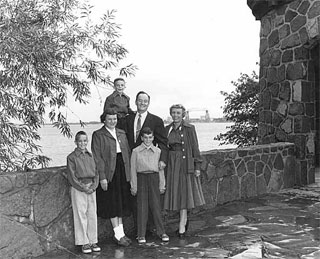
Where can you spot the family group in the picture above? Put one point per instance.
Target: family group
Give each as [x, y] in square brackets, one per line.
[135, 159]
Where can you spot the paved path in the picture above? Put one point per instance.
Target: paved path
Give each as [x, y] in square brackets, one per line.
[283, 225]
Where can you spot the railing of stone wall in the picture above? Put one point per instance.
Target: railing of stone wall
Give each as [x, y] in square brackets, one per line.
[35, 208]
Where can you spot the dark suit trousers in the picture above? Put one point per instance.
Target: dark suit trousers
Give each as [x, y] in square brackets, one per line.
[148, 197]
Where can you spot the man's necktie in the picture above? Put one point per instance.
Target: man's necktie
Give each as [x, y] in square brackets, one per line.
[138, 127]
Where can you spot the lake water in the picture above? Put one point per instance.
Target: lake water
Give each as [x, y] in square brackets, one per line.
[57, 147]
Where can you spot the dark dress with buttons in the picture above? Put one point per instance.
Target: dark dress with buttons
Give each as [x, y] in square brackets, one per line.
[183, 188]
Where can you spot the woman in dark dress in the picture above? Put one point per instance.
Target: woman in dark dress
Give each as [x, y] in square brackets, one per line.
[111, 152]
[184, 191]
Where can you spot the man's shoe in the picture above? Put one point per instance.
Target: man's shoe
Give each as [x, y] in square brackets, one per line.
[127, 239]
[121, 242]
[86, 249]
[141, 240]
[164, 237]
[95, 248]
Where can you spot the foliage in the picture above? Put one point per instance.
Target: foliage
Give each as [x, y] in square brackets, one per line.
[49, 50]
[241, 107]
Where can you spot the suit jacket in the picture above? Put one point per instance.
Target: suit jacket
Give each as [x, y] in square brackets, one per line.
[155, 123]
[104, 150]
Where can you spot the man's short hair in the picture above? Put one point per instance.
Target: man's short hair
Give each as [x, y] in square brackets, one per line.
[142, 92]
[146, 131]
[79, 133]
[118, 79]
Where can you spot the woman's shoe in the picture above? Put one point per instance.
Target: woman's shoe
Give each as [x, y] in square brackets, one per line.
[121, 242]
[186, 229]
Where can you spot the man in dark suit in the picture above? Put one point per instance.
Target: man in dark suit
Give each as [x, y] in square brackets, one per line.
[133, 124]
[147, 119]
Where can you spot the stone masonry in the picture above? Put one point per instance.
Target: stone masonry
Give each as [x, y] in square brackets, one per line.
[35, 208]
[289, 36]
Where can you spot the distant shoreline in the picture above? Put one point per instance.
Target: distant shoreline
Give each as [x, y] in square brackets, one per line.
[165, 122]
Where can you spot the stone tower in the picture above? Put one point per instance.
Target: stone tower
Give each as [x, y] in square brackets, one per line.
[289, 78]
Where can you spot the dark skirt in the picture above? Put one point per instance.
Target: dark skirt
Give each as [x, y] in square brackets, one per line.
[183, 190]
[116, 201]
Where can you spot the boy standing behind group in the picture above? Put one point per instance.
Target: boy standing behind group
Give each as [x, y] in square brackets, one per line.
[147, 182]
[118, 100]
[84, 179]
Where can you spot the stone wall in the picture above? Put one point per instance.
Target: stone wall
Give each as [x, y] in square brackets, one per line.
[288, 81]
[35, 208]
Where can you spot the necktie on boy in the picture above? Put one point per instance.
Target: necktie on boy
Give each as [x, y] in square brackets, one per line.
[138, 127]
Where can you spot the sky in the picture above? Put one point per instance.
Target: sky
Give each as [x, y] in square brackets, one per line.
[186, 51]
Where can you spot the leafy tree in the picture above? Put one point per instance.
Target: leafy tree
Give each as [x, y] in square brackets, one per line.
[241, 107]
[49, 50]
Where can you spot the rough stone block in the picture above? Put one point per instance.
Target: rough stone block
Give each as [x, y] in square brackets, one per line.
[20, 180]
[287, 126]
[265, 59]
[217, 158]
[263, 45]
[37, 177]
[278, 162]
[277, 119]
[297, 91]
[285, 91]
[210, 192]
[17, 204]
[302, 124]
[266, 99]
[211, 172]
[304, 36]
[275, 182]
[225, 169]
[274, 90]
[265, 26]
[294, 4]
[275, 58]
[259, 168]
[296, 71]
[287, 56]
[304, 172]
[261, 185]
[301, 53]
[272, 76]
[296, 108]
[248, 186]
[290, 15]
[282, 73]
[303, 8]
[314, 10]
[241, 169]
[291, 41]
[307, 92]
[297, 23]
[280, 135]
[273, 38]
[267, 174]
[18, 240]
[289, 173]
[274, 104]
[228, 189]
[282, 108]
[312, 28]
[51, 200]
[251, 166]
[6, 184]
[242, 153]
[61, 231]
[311, 175]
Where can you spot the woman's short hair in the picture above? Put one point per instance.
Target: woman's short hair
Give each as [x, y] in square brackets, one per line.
[178, 106]
[108, 111]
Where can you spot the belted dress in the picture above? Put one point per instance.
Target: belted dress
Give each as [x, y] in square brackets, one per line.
[183, 188]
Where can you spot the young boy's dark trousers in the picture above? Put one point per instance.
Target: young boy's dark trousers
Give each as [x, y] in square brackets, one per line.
[148, 196]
